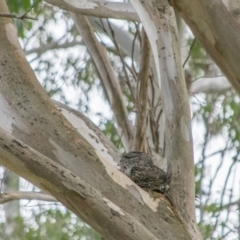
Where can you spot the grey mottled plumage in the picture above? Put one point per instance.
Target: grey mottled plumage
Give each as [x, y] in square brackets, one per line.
[140, 168]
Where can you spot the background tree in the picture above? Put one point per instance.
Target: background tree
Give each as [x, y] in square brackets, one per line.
[124, 79]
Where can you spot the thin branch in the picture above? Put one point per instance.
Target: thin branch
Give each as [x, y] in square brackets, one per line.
[121, 58]
[101, 9]
[202, 168]
[212, 180]
[52, 45]
[25, 14]
[77, 195]
[142, 95]
[132, 71]
[18, 195]
[136, 35]
[217, 215]
[189, 54]
[21, 17]
[225, 206]
[155, 124]
[107, 76]
[230, 200]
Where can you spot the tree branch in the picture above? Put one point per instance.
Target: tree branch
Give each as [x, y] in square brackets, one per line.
[74, 193]
[155, 124]
[43, 147]
[108, 78]
[159, 23]
[53, 45]
[142, 96]
[18, 195]
[77, 195]
[20, 17]
[210, 84]
[91, 133]
[101, 9]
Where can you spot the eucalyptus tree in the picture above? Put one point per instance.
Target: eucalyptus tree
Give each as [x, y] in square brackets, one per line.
[63, 153]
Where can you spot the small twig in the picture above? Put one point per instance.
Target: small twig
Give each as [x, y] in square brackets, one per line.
[132, 71]
[133, 44]
[21, 17]
[25, 14]
[121, 58]
[18, 195]
[107, 77]
[10, 15]
[190, 50]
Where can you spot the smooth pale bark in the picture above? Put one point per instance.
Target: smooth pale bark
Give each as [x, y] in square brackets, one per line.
[10, 196]
[158, 21]
[38, 143]
[70, 189]
[101, 9]
[216, 26]
[108, 78]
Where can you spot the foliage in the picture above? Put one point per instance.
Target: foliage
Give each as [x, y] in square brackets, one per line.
[198, 57]
[216, 207]
[20, 7]
[108, 128]
[52, 223]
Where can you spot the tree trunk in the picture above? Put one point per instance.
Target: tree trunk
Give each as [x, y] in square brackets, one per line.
[64, 154]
